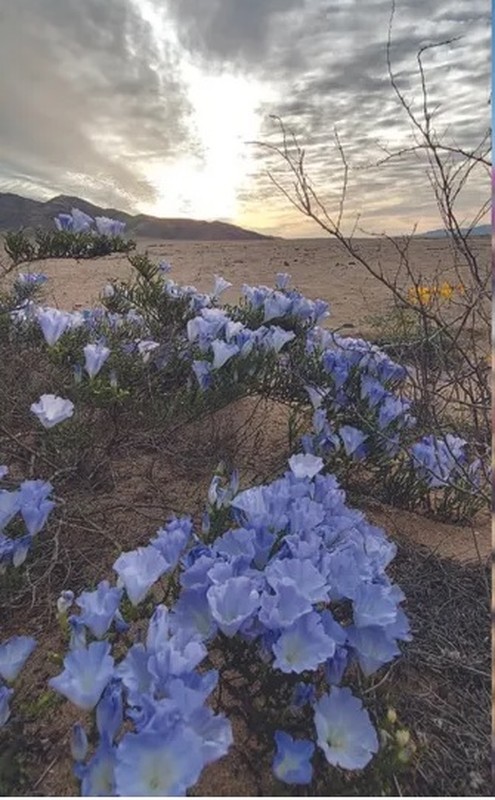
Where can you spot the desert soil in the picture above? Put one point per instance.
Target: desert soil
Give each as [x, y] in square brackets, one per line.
[319, 268]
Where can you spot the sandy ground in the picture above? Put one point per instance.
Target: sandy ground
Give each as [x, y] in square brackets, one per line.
[319, 268]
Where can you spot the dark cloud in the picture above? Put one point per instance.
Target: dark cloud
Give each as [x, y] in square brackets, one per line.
[93, 93]
[88, 96]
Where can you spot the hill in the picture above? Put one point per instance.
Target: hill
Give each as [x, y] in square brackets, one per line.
[22, 212]
[480, 230]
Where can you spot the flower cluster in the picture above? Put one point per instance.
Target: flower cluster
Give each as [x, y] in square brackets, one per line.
[298, 576]
[31, 501]
[439, 462]
[79, 222]
[14, 653]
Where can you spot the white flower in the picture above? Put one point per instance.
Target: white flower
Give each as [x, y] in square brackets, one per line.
[51, 410]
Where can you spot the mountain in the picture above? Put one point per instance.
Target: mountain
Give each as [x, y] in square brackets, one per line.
[21, 212]
[480, 230]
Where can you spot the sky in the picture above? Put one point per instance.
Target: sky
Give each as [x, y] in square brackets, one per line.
[155, 106]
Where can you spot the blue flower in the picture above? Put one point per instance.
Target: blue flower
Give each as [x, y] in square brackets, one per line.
[305, 465]
[98, 776]
[78, 742]
[5, 695]
[304, 645]
[302, 694]
[14, 653]
[158, 764]
[87, 670]
[110, 711]
[51, 410]
[35, 505]
[344, 730]
[374, 604]
[372, 646]
[222, 352]
[292, 761]
[277, 338]
[220, 286]
[171, 540]
[202, 371]
[109, 227]
[95, 356]
[192, 613]
[9, 506]
[232, 603]
[353, 440]
[336, 666]
[276, 305]
[53, 323]
[138, 570]
[282, 280]
[99, 608]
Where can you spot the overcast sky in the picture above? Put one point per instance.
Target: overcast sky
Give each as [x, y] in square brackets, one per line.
[148, 105]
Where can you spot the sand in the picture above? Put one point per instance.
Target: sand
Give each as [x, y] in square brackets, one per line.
[319, 268]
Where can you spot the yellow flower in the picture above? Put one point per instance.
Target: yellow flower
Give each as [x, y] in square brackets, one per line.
[446, 291]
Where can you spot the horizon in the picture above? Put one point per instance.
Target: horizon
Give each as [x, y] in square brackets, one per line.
[155, 103]
[308, 236]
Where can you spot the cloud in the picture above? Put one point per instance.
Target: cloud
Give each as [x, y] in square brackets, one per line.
[89, 95]
[97, 94]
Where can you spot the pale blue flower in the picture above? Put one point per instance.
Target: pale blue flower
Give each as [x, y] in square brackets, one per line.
[301, 574]
[282, 280]
[53, 323]
[22, 545]
[138, 570]
[336, 666]
[372, 646]
[284, 607]
[344, 730]
[374, 604]
[64, 222]
[162, 764]
[109, 227]
[214, 731]
[304, 645]
[202, 371]
[4, 471]
[232, 603]
[110, 711]
[171, 540]
[87, 670]
[14, 653]
[95, 356]
[292, 761]
[133, 670]
[222, 352]
[353, 439]
[304, 465]
[9, 506]
[5, 695]
[276, 305]
[99, 608]
[98, 776]
[277, 338]
[81, 222]
[192, 613]
[77, 633]
[220, 286]
[303, 694]
[51, 410]
[78, 742]
[316, 395]
[164, 267]
[35, 505]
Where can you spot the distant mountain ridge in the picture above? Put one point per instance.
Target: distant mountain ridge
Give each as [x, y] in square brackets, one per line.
[480, 230]
[22, 212]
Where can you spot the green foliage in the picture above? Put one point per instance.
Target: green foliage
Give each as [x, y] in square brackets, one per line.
[62, 244]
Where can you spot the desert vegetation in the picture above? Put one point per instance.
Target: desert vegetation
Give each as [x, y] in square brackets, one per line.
[200, 590]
